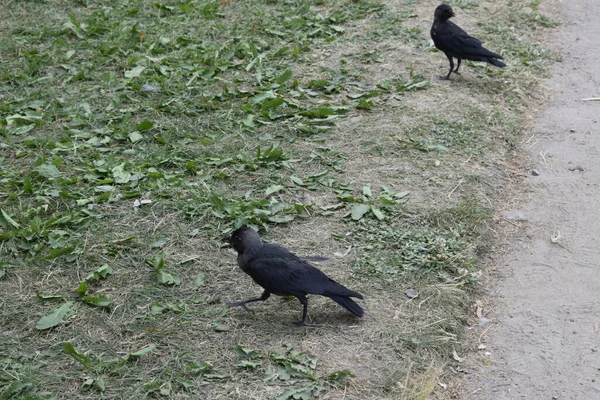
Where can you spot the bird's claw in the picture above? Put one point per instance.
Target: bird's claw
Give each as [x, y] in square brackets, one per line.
[242, 304]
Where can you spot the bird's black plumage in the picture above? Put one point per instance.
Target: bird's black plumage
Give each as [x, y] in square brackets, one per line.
[282, 273]
[456, 43]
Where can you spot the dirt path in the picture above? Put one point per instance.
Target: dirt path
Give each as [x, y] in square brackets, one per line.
[545, 343]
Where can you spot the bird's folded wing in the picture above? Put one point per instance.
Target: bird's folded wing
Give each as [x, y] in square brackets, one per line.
[278, 275]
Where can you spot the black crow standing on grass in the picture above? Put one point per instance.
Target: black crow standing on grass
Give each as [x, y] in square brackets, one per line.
[455, 42]
[280, 272]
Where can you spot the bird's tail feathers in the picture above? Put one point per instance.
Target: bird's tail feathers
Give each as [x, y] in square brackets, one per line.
[349, 305]
[495, 62]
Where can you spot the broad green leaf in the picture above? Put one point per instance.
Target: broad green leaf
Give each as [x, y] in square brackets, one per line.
[296, 180]
[135, 72]
[9, 220]
[135, 137]
[286, 76]
[367, 191]
[244, 352]
[59, 252]
[157, 262]
[143, 351]
[200, 279]
[144, 126]
[273, 189]
[198, 367]
[57, 316]
[101, 272]
[259, 98]
[359, 210]
[248, 121]
[120, 175]
[377, 212]
[48, 171]
[97, 301]
[167, 278]
[281, 219]
[70, 350]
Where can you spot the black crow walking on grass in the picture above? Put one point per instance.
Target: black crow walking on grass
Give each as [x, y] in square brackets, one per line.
[455, 42]
[282, 273]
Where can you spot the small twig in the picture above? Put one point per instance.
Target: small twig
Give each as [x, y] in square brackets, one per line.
[543, 155]
[484, 332]
[455, 187]
[591, 99]
[530, 139]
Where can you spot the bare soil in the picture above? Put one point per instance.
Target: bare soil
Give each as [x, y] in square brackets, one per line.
[543, 341]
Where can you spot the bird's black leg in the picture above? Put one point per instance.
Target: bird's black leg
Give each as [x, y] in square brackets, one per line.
[456, 70]
[243, 303]
[304, 302]
[451, 67]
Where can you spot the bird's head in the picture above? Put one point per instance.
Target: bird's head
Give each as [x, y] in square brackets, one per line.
[443, 12]
[243, 239]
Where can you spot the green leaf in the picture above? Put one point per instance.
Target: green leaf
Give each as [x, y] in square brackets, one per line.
[135, 72]
[283, 78]
[144, 126]
[59, 252]
[218, 327]
[70, 350]
[8, 219]
[159, 243]
[48, 171]
[82, 289]
[2, 272]
[339, 378]
[296, 180]
[50, 297]
[167, 278]
[135, 137]
[100, 273]
[377, 212]
[273, 189]
[244, 352]
[156, 262]
[259, 98]
[367, 191]
[359, 210]
[120, 175]
[143, 351]
[301, 392]
[200, 279]
[55, 317]
[97, 301]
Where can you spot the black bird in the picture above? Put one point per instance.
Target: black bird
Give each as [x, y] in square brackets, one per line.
[282, 273]
[455, 42]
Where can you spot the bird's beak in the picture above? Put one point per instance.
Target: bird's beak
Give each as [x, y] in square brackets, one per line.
[452, 15]
[226, 239]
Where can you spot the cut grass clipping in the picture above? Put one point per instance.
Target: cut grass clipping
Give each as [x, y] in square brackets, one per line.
[134, 134]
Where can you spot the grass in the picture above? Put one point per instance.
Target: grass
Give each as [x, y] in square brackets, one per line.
[135, 134]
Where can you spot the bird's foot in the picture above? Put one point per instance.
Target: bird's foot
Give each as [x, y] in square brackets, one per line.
[445, 78]
[242, 304]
